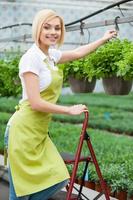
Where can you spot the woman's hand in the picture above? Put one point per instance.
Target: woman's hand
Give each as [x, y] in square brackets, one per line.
[77, 109]
[109, 35]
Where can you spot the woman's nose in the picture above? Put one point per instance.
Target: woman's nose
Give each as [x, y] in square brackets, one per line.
[53, 31]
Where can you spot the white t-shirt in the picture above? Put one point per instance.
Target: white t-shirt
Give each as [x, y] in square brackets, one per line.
[34, 60]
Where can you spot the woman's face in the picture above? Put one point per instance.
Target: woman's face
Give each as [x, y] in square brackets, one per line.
[50, 32]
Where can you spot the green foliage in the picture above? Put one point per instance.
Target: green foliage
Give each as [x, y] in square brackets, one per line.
[2, 130]
[130, 187]
[113, 58]
[78, 69]
[103, 118]
[114, 153]
[4, 117]
[9, 80]
[112, 113]
[125, 66]
[8, 104]
[99, 100]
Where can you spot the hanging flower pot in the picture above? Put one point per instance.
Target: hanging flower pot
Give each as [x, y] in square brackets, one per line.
[114, 58]
[117, 85]
[81, 85]
[80, 75]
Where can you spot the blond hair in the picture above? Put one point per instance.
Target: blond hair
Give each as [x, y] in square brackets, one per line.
[44, 16]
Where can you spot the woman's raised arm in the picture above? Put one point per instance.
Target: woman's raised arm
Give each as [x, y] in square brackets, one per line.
[86, 49]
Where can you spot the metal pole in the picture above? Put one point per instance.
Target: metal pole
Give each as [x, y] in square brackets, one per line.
[77, 27]
[100, 23]
[97, 12]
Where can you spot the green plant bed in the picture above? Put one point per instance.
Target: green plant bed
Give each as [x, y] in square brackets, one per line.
[104, 118]
[4, 117]
[96, 99]
[2, 130]
[106, 112]
[121, 126]
[9, 79]
[67, 138]
[8, 104]
[114, 153]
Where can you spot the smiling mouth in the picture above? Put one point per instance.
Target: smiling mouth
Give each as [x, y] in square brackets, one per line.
[52, 38]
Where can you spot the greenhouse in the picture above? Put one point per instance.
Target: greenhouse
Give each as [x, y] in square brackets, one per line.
[66, 111]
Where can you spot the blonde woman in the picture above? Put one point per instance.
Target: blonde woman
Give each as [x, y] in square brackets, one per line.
[36, 170]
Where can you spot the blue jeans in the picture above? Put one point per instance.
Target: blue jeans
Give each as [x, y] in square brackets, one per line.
[41, 195]
[6, 135]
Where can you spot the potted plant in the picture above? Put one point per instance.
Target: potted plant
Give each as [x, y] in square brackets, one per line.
[113, 63]
[121, 192]
[108, 172]
[80, 79]
[130, 188]
[129, 169]
[119, 183]
[9, 79]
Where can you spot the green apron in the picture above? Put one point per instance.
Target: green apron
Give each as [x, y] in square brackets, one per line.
[34, 160]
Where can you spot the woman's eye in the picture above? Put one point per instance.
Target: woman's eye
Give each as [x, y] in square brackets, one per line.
[46, 27]
[50, 28]
[57, 28]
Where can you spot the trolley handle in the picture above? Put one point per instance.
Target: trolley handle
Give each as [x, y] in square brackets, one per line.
[86, 113]
[85, 122]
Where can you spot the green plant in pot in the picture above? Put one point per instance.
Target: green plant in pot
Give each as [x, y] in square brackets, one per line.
[80, 80]
[125, 66]
[130, 189]
[9, 80]
[117, 178]
[108, 62]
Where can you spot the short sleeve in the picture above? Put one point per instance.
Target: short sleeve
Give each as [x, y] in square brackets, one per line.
[55, 54]
[28, 64]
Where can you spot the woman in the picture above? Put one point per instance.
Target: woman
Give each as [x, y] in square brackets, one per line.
[36, 170]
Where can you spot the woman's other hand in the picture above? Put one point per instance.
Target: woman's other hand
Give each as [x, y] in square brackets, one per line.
[77, 109]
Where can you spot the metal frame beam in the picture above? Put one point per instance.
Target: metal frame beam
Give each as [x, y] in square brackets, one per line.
[76, 27]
